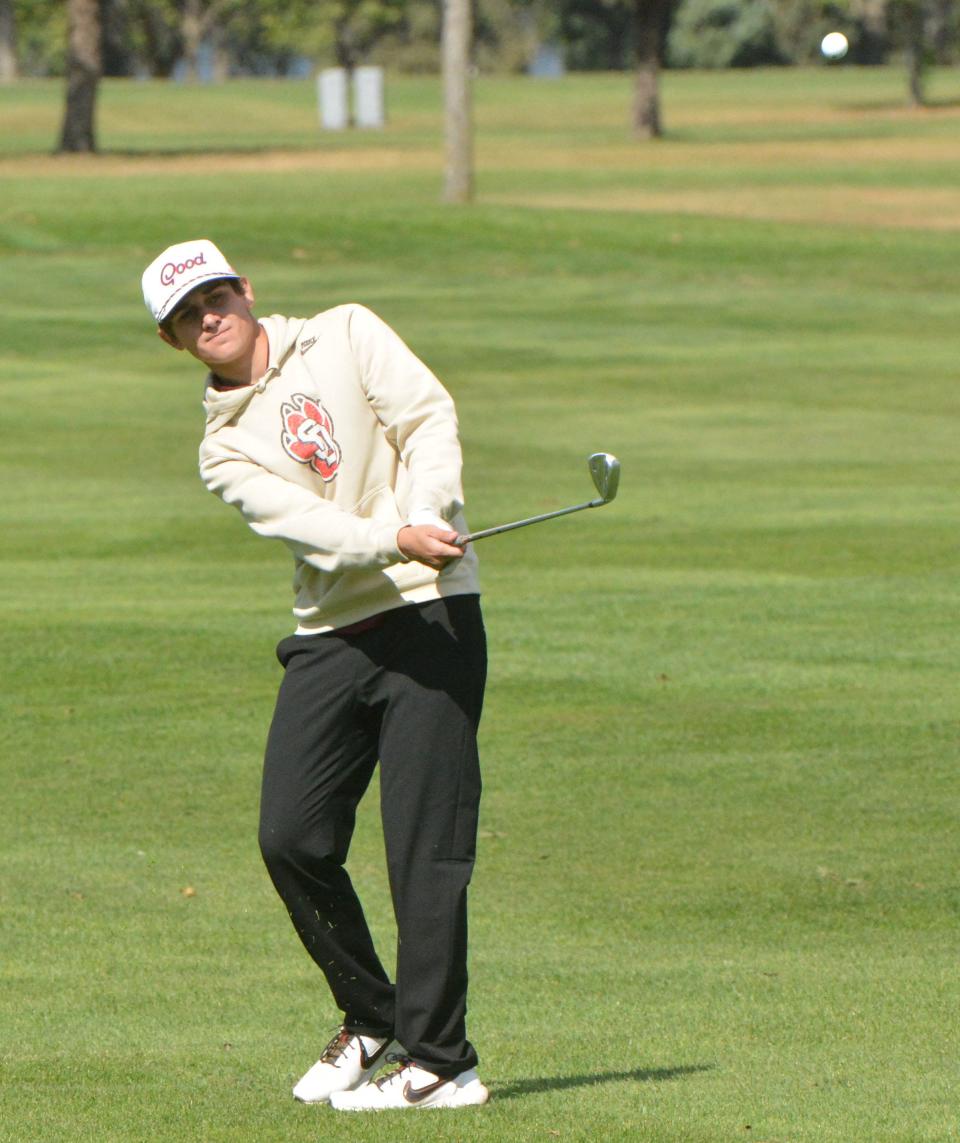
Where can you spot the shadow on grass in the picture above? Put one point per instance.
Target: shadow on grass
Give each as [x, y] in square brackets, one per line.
[561, 1083]
[200, 151]
[883, 105]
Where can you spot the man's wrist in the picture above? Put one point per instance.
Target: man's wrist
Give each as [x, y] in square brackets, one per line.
[403, 555]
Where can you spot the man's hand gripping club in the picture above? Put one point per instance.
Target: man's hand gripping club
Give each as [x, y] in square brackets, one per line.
[428, 544]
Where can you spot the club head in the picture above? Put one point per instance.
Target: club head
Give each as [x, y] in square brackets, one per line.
[605, 471]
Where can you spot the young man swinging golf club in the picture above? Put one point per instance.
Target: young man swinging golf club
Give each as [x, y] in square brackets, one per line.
[329, 434]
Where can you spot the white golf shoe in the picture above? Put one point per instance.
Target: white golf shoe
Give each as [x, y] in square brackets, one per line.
[348, 1061]
[411, 1087]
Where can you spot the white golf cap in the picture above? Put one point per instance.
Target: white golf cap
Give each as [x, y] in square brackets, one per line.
[180, 269]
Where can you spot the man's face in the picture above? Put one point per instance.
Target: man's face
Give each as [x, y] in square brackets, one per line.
[216, 325]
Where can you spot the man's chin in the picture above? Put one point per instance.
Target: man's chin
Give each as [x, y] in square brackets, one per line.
[218, 362]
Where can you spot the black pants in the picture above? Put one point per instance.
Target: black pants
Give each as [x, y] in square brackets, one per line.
[409, 693]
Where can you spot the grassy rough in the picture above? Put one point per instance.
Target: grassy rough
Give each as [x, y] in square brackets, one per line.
[716, 898]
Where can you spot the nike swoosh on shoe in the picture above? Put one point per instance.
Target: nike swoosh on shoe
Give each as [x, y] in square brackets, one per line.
[418, 1094]
[367, 1062]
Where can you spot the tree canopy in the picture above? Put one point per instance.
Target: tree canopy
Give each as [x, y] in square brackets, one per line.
[280, 37]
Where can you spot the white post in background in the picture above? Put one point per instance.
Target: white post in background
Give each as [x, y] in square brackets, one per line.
[368, 97]
[332, 96]
[457, 39]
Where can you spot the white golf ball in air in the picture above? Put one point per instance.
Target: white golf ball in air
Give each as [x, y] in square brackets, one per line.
[834, 45]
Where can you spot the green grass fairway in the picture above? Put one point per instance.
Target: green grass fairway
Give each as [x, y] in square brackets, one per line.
[717, 895]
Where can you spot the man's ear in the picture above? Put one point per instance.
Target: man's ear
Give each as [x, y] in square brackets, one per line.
[247, 290]
[168, 338]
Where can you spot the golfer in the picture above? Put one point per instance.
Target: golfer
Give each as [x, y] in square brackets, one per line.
[329, 434]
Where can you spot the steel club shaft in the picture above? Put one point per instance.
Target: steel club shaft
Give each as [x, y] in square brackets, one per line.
[605, 472]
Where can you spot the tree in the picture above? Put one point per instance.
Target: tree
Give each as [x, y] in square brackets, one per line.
[198, 19]
[724, 33]
[596, 34]
[357, 25]
[156, 36]
[8, 42]
[83, 75]
[651, 20]
[912, 16]
[116, 42]
[925, 30]
[614, 34]
[457, 37]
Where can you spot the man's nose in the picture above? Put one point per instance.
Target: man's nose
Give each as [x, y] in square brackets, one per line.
[211, 319]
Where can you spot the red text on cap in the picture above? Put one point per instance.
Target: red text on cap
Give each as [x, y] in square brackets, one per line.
[172, 269]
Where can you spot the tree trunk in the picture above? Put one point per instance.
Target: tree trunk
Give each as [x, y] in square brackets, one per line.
[198, 22]
[346, 54]
[83, 76]
[650, 19]
[915, 54]
[221, 54]
[8, 42]
[457, 38]
[191, 32]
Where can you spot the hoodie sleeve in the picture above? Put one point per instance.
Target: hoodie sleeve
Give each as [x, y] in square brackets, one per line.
[316, 531]
[416, 411]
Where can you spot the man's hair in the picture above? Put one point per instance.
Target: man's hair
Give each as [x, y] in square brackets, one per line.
[167, 324]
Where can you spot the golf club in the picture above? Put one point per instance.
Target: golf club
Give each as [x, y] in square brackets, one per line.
[605, 472]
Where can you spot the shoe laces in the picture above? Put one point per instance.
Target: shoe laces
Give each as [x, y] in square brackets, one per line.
[401, 1063]
[338, 1045]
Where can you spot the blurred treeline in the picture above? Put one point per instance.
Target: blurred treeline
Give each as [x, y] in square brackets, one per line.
[219, 38]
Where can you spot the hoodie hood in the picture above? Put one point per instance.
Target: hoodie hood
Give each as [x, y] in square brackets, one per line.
[222, 405]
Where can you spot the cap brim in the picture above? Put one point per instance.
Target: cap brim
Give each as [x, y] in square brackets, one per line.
[188, 287]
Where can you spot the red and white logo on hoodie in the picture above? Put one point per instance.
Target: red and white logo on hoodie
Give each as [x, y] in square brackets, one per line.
[308, 435]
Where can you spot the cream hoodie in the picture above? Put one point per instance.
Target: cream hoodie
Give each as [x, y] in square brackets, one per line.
[346, 438]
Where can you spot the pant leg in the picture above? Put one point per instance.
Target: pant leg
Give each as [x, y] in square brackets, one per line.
[320, 756]
[430, 793]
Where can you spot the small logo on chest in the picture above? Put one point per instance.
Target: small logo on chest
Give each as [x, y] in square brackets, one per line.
[307, 435]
